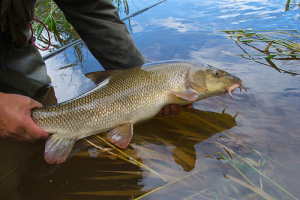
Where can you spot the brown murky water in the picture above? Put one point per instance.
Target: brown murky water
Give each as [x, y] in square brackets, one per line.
[221, 149]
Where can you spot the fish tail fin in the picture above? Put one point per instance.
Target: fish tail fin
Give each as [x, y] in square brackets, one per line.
[58, 148]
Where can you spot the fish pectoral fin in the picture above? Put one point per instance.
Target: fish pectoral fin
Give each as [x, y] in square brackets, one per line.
[190, 96]
[121, 135]
[58, 148]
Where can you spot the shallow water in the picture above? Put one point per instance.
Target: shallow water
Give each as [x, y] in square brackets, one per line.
[185, 150]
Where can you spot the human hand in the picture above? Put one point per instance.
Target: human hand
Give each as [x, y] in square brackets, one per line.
[172, 109]
[15, 121]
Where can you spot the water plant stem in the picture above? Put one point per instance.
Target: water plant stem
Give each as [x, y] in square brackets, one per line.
[161, 187]
[223, 158]
[253, 188]
[3, 177]
[266, 176]
[130, 159]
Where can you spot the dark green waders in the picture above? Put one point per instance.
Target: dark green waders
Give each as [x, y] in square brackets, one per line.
[23, 71]
[97, 22]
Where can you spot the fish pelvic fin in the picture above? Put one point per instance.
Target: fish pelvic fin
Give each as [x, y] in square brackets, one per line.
[190, 96]
[121, 135]
[58, 148]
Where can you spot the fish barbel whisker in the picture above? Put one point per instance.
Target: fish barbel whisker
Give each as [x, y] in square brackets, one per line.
[243, 87]
[232, 87]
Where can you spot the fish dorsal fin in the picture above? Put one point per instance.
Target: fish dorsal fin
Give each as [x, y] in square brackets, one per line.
[57, 149]
[98, 77]
[121, 135]
[190, 96]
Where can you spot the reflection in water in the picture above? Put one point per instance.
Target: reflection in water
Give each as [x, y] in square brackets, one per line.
[291, 5]
[277, 45]
[166, 145]
[267, 135]
[180, 25]
[180, 134]
[61, 31]
[154, 143]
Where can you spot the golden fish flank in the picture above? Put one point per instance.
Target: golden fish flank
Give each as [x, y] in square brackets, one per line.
[125, 98]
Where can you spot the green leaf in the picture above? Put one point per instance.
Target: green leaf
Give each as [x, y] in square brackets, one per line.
[270, 56]
[51, 24]
[41, 27]
[126, 7]
[67, 24]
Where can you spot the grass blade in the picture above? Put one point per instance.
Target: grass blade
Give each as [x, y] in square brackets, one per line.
[11, 171]
[253, 188]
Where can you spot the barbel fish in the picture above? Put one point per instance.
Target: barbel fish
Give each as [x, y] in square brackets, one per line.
[125, 98]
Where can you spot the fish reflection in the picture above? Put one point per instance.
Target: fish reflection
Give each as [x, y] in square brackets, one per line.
[183, 132]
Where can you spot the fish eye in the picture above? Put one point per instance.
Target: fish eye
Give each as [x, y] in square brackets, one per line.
[215, 73]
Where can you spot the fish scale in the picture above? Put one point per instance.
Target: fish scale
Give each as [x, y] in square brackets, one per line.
[124, 98]
[105, 105]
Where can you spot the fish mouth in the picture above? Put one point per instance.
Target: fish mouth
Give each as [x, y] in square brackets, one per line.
[232, 87]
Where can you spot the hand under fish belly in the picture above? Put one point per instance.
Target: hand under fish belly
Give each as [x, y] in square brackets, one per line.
[124, 98]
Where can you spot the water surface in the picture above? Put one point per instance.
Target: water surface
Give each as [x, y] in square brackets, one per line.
[260, 128]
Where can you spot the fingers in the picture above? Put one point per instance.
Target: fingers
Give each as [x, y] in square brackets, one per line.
[30, 127]
[190, 106]
[172, 109]
[168, 110]
[22, 137]
[29, 132]
[34, 131]
[160, 112]
[17, 135]
[15, 118]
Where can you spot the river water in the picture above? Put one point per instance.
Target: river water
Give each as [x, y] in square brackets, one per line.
[221, 149]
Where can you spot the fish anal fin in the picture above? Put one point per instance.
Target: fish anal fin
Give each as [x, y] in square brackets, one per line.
[100, 76]
[58, 148]
[190, 96]
[121, 135]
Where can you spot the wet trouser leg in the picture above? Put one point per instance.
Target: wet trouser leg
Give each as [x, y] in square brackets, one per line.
[22, 71]
[98, 24]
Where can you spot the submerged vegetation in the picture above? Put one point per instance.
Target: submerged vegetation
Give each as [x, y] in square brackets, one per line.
[54, 19]
[291, 4]
[172, 161]
[51, 16]
[184, 157]
[268, 45]
[11, 171]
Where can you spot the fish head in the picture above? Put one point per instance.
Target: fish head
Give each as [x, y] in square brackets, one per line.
[209, 81]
